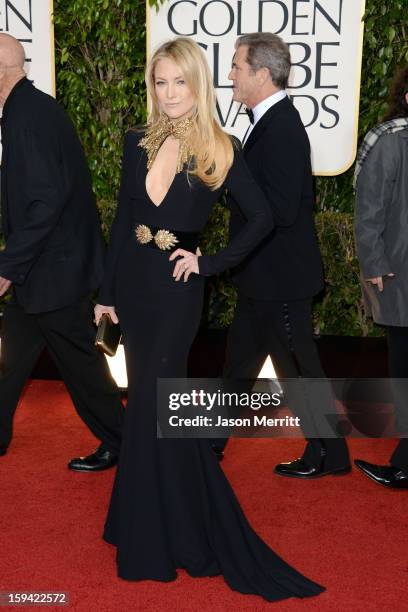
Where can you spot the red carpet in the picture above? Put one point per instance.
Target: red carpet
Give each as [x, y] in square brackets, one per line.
[345, 532]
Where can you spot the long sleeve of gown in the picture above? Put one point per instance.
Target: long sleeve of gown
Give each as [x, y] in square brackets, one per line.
[122, 223]
[259, 221]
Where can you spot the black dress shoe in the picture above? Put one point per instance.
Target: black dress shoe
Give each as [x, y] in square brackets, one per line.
[300, 469]
[385, 475]
[98, 461]
[3, 451]
[219, 452]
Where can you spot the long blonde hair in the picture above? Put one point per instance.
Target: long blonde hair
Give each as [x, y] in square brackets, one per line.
[211, 146]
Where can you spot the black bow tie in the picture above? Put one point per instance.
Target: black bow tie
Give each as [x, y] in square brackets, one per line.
[250, 114]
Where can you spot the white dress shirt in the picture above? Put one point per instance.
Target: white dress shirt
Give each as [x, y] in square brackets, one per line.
[260, 109]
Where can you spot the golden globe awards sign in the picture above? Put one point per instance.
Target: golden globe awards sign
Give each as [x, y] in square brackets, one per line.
[30, 21]
[325, 39]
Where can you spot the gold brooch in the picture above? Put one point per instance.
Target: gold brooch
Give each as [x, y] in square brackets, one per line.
[163, 239]
[143, 234]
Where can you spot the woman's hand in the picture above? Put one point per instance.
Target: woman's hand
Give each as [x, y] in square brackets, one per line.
[187, 263]
[101, 310]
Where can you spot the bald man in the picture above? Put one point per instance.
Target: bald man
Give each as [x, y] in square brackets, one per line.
[52, 260]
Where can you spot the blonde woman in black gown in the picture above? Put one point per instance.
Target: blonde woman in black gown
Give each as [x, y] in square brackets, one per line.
[171, 505]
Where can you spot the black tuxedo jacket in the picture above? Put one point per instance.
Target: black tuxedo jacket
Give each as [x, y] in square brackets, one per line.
[54, 247]
[287, 264]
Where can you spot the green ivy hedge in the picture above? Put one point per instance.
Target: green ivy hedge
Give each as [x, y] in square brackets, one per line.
[385, 47]
[100, 58]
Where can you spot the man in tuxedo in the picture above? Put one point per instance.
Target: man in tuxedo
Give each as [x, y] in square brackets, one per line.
[52, 261]
[278, 280]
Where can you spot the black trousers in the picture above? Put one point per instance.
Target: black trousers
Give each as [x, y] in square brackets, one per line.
[69, 336]
[399, 457]
[284, 331]
[398, 369]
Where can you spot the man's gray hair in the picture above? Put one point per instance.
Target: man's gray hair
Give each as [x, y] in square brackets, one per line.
[266, 50]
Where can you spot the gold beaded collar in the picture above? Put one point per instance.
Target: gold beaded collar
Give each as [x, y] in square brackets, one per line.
[157, 133]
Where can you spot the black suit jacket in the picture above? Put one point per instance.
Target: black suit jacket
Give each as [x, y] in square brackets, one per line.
[54, 247]
[287, 264]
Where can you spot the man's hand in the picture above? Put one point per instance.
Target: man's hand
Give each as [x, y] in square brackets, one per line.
[4, 285]
[378, 280]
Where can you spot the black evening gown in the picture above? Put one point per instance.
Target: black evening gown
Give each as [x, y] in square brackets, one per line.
[171, 506]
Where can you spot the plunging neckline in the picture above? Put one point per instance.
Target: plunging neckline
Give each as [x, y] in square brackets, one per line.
[171, 184]
[166, 194]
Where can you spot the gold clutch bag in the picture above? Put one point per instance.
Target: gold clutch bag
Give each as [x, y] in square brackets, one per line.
[108, 336]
